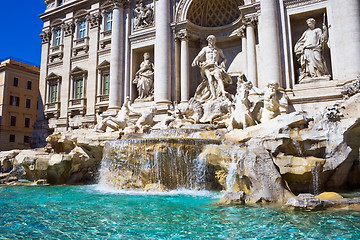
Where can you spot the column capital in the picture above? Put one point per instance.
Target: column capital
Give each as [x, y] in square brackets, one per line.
[68, 28]
[183, 35]
[119, 3]
[250, 20]
[93, 19]
[241, 31]
[45, 36]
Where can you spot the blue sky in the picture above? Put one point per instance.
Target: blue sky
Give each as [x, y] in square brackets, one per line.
[20, 29]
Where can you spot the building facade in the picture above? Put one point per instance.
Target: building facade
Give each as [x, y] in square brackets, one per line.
[19, 93]
[92, 51]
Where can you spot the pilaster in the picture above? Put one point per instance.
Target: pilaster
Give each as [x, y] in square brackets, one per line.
[45, 36]
[94, 24]
[68, 29]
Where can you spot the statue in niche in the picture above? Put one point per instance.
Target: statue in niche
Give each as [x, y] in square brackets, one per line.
[214, 75]
[144, 15]
[120, 121]
[241, 116]
[144, 79]
[273, 100]
[310, 51]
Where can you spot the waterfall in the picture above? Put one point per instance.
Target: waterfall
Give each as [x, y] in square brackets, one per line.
[163, 163]
[236, 158]
[316, 179]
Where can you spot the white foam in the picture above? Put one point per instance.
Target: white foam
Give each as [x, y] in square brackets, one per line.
[201, 193]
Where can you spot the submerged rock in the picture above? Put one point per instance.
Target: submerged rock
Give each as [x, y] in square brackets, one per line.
[327, 200]
[237, 197]
[308, 202]
[329, 196]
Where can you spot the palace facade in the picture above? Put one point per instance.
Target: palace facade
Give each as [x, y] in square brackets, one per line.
[92, 50]
[19, 94]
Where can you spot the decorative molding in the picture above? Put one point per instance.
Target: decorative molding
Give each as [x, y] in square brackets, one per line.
[45, 36]
[94, 20]
[68, 28]
[298, 3]
[351, 89]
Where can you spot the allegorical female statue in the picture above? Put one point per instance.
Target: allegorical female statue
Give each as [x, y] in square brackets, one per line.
[144, 79]
[309, 50]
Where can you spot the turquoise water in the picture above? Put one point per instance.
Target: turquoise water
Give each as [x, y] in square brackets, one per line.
[87, 212]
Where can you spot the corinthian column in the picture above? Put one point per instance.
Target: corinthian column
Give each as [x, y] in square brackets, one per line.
[162, 81]
[242, 35]
[185, 65]
[269, 38]
[251, 51]
[116, 58]
[345, 38]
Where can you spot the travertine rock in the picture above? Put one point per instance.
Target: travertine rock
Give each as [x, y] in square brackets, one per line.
[256, 173]
[307, 202]
[237, 197]
[329, 196]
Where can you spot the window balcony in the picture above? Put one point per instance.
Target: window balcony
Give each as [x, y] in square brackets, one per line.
[81, 44]
[56, 52]
[77, 105]
[52, 109]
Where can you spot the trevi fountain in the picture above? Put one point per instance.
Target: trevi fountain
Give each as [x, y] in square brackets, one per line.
[245, 156]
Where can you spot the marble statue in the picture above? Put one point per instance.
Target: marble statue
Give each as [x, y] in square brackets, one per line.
[309, 50]
[146, 118]
[241, 117]
[213, 73]
[144, 15]
[273, 100]
[144, 79]
[120, 121]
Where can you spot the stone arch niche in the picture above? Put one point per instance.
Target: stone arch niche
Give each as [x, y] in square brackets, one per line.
[201, 18]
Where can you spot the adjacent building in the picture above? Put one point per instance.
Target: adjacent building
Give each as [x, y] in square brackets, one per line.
[92, 49]
[19, 92]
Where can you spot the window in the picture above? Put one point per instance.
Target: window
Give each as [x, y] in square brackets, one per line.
[16, 82]
[82, 29]
[57, 38]
[12, 138]
[78, 88]
[28, 103]
[60, 3]
[109, 19]
[29, 85]
[13, 121]
[14, 100]
[26, 139]
[53, 93]
[106, 84]
[27, 122]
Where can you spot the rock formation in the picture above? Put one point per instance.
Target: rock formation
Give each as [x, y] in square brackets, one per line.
[268, 162]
